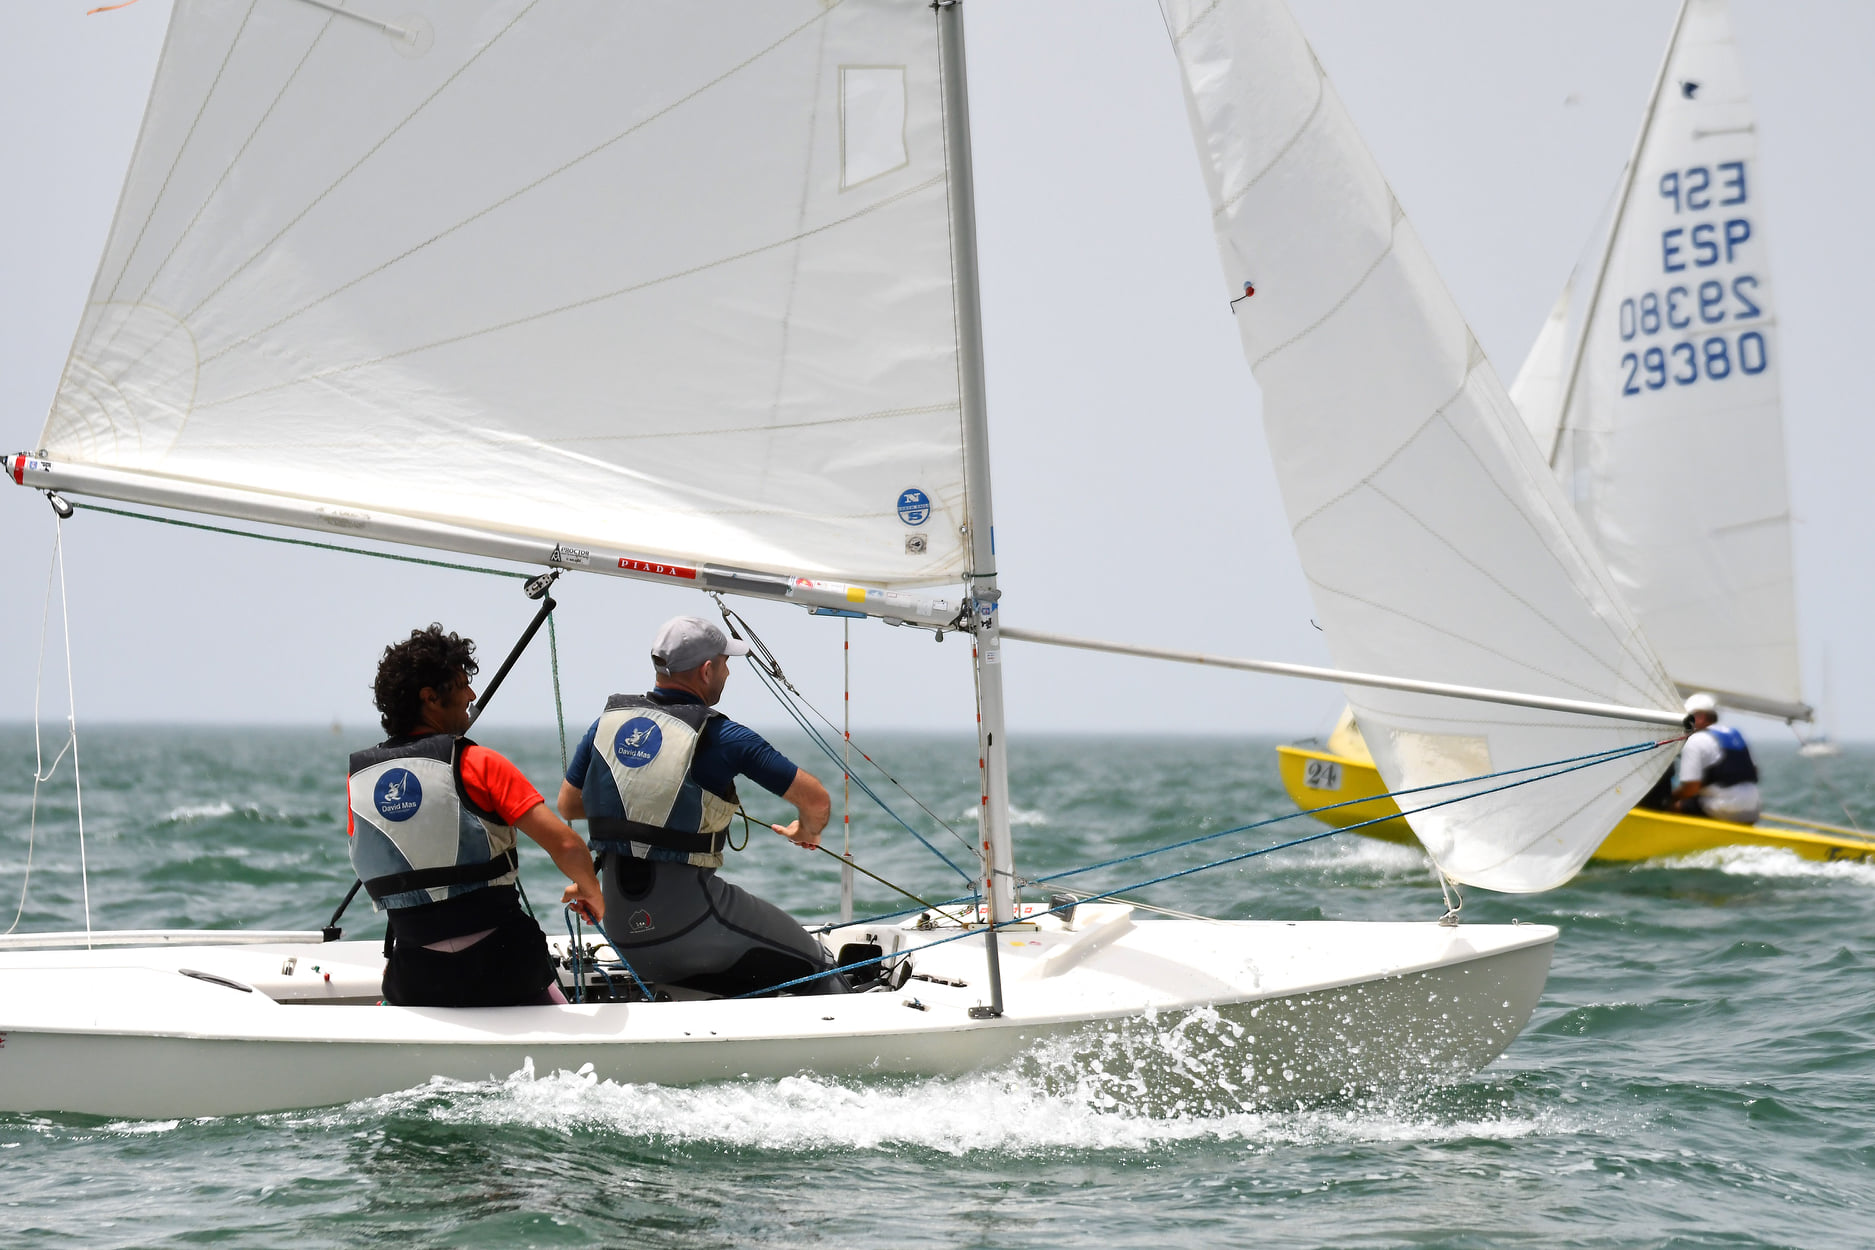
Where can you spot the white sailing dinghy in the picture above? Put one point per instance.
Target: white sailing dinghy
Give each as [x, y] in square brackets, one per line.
[687, 293]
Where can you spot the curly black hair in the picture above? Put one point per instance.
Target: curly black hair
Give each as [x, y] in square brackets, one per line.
[429, 657]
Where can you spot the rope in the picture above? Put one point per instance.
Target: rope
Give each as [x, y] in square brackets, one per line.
[1589, 762]
[559, 711]
[41, 773]
[303, 542]
[827, 749]
[572, 921]
[71, 713]
[1578, 761]
[1575, 762]
[847, 861]
[732, 619]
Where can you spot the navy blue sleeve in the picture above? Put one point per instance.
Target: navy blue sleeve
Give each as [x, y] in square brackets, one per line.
[582, 756]
[748, 754]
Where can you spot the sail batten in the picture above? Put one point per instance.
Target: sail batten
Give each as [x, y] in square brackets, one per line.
[1430, 531]
[662, 275]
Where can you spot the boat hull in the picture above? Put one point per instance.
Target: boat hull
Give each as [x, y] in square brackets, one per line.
[1316, 779]
[1278, 1013]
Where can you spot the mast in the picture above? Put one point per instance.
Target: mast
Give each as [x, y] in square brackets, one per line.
[1614, 233]
[998, 857]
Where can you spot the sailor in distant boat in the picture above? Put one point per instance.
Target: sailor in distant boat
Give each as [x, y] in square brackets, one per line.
[654, 779]
[1717, 775]
[432, 823]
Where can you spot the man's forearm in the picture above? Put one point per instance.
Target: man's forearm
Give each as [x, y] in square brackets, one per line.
[812, 801]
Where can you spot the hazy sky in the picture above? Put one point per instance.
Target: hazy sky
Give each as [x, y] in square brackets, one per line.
[1134, 498]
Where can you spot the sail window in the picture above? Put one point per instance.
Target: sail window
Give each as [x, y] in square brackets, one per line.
[872, 122]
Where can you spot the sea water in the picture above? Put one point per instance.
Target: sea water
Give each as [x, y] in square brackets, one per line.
[1700, 1072]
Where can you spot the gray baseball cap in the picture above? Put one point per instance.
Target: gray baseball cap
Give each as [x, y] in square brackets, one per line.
[688, 642]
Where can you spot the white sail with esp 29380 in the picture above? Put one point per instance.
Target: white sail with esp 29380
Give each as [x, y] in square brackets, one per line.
[1653, 388]
[687, 291]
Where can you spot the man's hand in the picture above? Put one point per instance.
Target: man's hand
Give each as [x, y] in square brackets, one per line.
[792, 832]
[592, 908]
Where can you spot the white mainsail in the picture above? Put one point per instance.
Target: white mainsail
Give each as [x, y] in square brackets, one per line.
[1665, 424]
[1434, 539]
[655, 275]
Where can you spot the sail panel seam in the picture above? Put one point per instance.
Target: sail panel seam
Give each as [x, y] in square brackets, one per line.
[575, 305]
[505, 200]
[1393, 233]
[227, 170]
[183, 148]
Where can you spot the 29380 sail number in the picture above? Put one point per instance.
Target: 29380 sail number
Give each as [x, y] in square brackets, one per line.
[1713, 359]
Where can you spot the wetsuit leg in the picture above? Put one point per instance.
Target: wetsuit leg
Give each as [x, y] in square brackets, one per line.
[677, 924]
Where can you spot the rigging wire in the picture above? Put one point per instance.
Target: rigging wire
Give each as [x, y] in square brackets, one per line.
[305, 542]
[732, 619]
[1587, 762]
[827, 750]
[1574, 761]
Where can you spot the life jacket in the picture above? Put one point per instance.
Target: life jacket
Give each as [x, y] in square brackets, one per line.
[1735, 767]
[416, 837]
[645, 792]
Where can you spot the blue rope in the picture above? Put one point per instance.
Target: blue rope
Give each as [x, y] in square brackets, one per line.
[1589, 762]
[1593, 757]
[1578, 761]
[579, 985]
[864, 789]
[572, 948]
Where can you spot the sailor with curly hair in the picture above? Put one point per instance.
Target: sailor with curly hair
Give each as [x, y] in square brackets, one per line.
[432, 829]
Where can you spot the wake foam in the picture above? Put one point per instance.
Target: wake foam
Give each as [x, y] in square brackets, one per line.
[1770, 862]
[1054, 1099]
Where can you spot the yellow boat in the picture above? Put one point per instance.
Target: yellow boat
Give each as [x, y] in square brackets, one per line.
[1342, 771]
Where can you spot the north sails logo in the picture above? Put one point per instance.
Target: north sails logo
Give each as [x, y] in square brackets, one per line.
[397, 794]
[638, 742]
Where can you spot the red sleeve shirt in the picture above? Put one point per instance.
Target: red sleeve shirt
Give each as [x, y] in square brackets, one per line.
[495, 785]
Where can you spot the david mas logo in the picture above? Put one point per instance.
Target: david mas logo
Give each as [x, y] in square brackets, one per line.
[638, 741]
[398, 796]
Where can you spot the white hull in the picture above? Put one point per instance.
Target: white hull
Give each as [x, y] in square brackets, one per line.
[1320, 1006]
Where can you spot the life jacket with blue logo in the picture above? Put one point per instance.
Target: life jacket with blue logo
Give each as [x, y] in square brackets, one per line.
[416, 838]
[645, 793]
[1735, 767]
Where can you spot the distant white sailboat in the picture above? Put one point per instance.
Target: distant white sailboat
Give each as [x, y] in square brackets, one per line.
[687, 293]
[1652, 389]
[1821, 745]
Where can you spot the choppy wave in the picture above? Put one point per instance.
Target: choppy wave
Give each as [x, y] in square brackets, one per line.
[190, 813]
[1017, 815]
[1770, 862]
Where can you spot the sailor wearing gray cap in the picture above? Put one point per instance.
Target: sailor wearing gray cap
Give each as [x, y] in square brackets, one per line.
[686, 642]
[1717, 775]
[655, 781]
